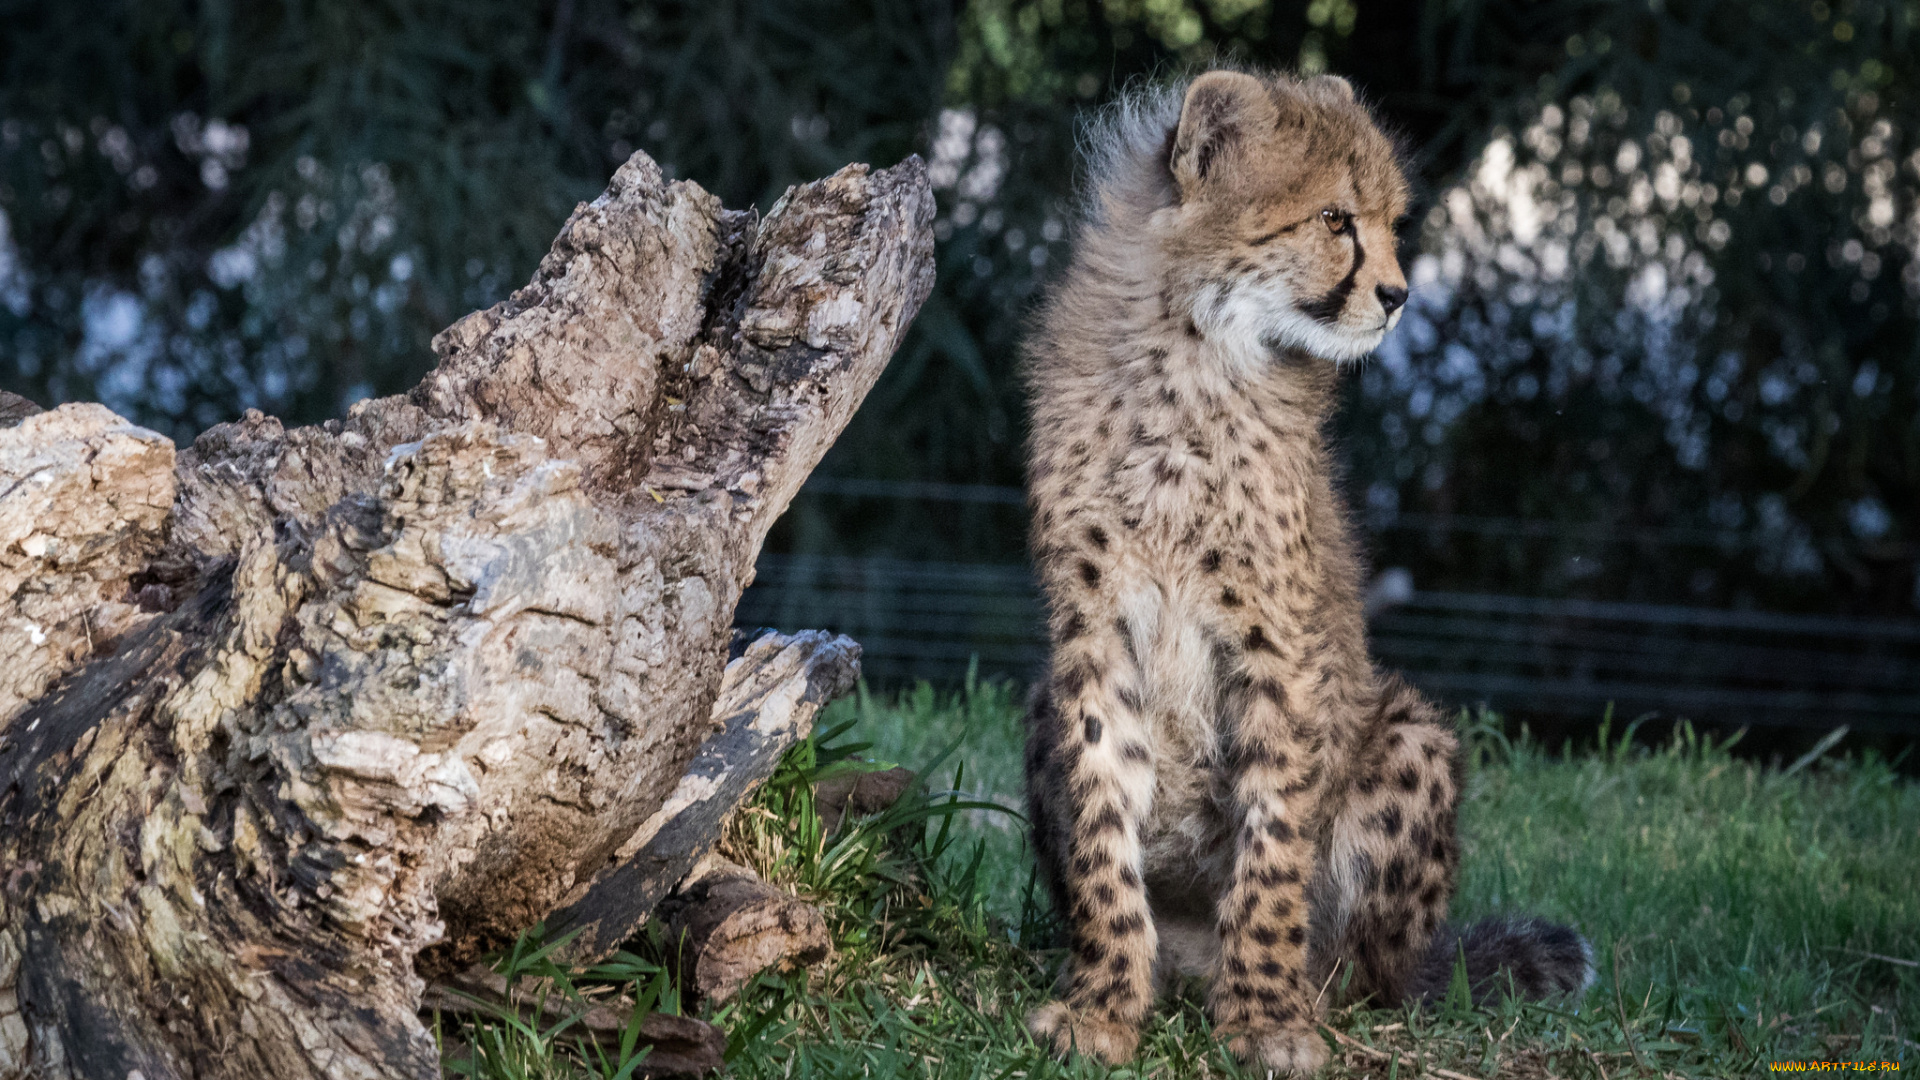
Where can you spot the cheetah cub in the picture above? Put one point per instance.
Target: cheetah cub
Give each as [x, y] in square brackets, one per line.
[1220, 783]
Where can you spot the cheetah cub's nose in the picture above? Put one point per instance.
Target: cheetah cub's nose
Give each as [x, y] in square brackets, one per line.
[1391, 297]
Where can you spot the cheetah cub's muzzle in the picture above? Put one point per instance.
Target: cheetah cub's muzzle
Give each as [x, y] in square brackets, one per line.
[1285, 227]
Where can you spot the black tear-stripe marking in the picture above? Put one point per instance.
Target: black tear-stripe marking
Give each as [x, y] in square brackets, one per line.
[1328, 307]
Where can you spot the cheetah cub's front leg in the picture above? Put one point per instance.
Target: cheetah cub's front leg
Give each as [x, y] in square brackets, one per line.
[1094, 786]
[1262, 999]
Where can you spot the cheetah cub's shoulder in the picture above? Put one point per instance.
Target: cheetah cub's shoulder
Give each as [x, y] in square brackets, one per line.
[1219, 782]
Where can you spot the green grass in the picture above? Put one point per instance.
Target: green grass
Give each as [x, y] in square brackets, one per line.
[1739, 915]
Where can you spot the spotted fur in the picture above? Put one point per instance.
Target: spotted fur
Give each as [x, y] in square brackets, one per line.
[1220, 783]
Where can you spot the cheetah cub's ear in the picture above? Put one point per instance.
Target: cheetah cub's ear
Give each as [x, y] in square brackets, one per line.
[1223, 113]
[1336, 84]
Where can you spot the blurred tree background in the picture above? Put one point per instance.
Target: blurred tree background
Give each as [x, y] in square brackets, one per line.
[1663, 344]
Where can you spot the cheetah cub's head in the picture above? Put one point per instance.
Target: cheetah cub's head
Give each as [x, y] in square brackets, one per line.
[1282, 235]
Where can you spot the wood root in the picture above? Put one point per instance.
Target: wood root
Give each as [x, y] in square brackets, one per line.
[676, 1045]
[725, 926]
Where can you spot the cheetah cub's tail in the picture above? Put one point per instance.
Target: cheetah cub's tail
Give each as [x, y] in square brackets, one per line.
[1529, 957]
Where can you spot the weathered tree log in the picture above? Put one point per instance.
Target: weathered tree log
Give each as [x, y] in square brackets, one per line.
[724, 926]
[83, 505]
[299, 710]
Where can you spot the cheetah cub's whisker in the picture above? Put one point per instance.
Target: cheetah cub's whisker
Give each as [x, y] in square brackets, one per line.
[1220, 782]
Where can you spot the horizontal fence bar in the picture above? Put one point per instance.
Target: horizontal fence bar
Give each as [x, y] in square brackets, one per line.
[1610, 635]
[930, 490]
[1769, 707]
[1519, 654]
[788, 568]
[1374, 522]
[1735, 667]
[1669, 615]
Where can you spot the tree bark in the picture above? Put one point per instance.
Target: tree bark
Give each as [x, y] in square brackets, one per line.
[295, 716]
[773, 689]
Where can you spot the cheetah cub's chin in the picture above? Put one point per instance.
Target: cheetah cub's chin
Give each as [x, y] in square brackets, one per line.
[1258, 321]
[1216, 772]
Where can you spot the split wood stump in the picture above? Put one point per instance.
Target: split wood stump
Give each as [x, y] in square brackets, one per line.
[293, 720]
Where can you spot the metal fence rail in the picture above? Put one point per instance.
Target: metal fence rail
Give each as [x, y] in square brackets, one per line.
[1522, 655]
[1574, 657]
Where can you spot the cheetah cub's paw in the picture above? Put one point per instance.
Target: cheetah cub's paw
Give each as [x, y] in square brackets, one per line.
[1059, 1026]
[1282, 1051]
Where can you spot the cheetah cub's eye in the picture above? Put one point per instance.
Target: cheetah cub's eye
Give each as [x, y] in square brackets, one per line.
[1338, 221]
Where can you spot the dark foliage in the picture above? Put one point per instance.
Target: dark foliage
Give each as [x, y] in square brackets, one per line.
[1697, 384]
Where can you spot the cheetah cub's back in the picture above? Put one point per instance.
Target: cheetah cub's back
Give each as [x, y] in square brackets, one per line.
[1219, 781]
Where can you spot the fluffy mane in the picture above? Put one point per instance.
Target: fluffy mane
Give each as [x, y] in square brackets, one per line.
[1126, 146]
